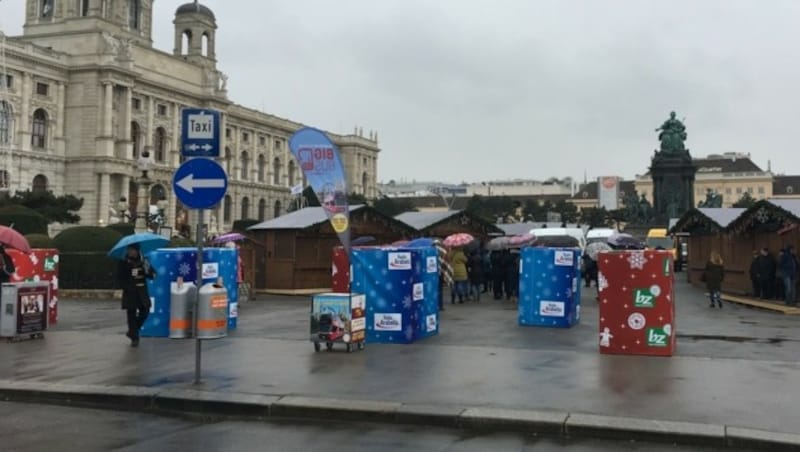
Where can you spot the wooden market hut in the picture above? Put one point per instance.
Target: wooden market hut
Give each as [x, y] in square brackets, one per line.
[736, 234]
[298, 245]
[444, 223]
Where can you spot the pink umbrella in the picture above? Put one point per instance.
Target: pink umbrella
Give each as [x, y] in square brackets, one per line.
[13, 239]
[522, 240]
[458, 240]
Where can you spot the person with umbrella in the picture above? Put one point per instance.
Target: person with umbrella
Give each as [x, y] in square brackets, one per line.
[6, 265]
[458, 261]
[132, 273]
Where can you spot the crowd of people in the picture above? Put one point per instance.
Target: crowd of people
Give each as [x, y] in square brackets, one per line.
[775, 278]
[470, 273]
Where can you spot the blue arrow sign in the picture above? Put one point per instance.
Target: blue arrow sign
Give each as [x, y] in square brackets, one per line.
[200, 183]
[200, 133]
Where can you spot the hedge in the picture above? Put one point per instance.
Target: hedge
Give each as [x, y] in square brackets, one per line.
[41, 241]
[83, 257]
[24, 220]
[123, 228]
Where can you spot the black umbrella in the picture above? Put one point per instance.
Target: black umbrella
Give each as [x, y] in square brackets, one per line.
[363, 240]
[625, 242]
[557, 241]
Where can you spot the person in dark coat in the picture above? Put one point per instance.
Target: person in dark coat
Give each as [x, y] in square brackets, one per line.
[512, 274]
[132, 275]
[754, 278]
[714, 275]
[475, 270]
[498, 274]
[789, 268]
[6, 266]
[766, 274]
[487, 269]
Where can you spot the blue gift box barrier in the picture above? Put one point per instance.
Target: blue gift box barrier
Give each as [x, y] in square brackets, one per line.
[550, 287]
[170, 264]
[402, 291]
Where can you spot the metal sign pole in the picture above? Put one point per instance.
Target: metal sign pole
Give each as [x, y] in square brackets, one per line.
[198, 347]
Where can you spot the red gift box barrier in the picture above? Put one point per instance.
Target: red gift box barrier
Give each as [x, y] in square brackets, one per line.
[340, 271]
[40, 265]
[637, 303]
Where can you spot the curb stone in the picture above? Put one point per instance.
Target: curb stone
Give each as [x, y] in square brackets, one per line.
[262, 407]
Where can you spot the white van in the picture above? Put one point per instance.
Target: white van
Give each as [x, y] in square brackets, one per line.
[599, 235]
[576, 233]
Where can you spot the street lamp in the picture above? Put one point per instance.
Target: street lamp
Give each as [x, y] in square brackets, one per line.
[146, 216]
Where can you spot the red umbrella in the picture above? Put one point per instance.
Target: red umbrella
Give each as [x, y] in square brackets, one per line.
[13, 239]
[458, 240]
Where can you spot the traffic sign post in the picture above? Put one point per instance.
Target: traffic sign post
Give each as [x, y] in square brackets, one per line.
[200, 183]
[200, 133]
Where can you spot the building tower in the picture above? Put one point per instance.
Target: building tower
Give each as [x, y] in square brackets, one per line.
[195, 30]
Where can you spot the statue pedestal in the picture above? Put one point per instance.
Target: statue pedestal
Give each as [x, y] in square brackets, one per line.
[673, 185]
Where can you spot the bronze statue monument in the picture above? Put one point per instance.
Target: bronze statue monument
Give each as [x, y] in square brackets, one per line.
[672, 171]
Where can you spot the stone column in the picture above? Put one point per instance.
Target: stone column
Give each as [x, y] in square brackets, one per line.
[108, 108]
[25, 114]
[170, 211]
[176, 135]
[126, 126]
[62, 123]
[104, 198]
[148, 133]
[143, 204]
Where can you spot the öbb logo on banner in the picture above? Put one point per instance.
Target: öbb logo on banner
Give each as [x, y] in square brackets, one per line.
[552, 309]
[564, 258]
[388, 322]
[399, 261]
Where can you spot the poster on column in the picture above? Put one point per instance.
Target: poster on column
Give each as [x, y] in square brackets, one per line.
[321, 163]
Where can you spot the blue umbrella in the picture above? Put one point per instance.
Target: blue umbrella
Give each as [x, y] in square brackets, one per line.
[420, 243]
[147, 242]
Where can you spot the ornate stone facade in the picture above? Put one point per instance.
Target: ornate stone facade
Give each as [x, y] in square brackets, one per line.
[88, 93]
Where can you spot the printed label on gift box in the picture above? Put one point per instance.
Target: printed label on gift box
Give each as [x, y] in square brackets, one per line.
[418, 291]
[565, 258]
[358, 324]
[234, 310]
[644, 298]
[432, 264]
[551, 309]
[657, 337]
[430, 322]
[359, 302]
[388, 322]
[211, 270]
[636, 321]
[50, 264]
[399, 261]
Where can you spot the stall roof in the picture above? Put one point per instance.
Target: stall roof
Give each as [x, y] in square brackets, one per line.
[722, 216]
[299, 219]
[790, 205]
[422, 220]
[714, 219]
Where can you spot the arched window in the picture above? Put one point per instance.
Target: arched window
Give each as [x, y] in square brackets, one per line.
[245, 208]
[262, 209]
[262, 168]
[84, 8]
[276, 171]
[364, 183]
[204, 44]
[39, 131]
[40, 184]
[244, 165]
[6, 120]
[5, 180]
[227, 208]
[290, 172]
[136, 133]
[160, 144]
[277, 212]
[186, 42]
[134, 14]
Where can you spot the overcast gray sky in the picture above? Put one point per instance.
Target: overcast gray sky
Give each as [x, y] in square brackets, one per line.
[473, 90]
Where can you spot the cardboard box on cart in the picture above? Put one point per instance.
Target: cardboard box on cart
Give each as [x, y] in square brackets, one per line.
[637, 303]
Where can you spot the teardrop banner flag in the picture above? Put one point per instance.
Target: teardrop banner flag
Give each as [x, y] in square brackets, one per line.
[319, 159]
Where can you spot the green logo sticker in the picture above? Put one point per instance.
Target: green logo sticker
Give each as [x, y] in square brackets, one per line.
[667, 266]
[657, 337]
[50, 264]
[644, 298]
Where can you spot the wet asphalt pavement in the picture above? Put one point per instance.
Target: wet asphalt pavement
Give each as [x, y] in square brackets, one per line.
[56, 429]
[734, 366]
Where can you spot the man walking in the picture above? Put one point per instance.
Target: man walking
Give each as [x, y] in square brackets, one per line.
[788, 267]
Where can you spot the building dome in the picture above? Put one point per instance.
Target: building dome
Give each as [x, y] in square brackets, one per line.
[195, 7]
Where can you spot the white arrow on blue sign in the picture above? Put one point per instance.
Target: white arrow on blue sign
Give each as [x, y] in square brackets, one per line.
[200, 183]
[200, 132]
